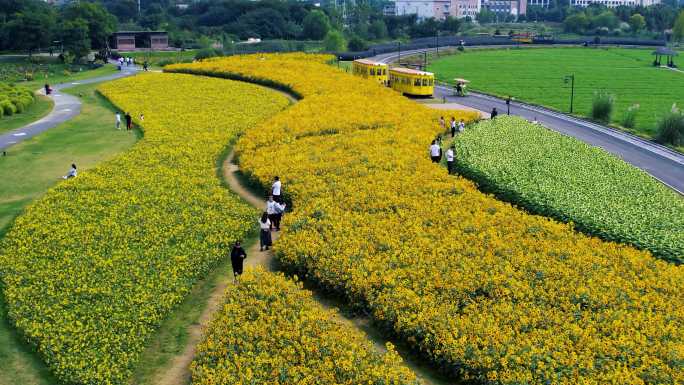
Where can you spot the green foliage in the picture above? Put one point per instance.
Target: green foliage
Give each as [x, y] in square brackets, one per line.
[602, 106]
[14, 99]
[637, 22]
[316, 25]
[629, 120]
[678, 28]
[671, 128]
[357, 44]
[76, 40]
[558, 176]
[206, 53]
[334, 41]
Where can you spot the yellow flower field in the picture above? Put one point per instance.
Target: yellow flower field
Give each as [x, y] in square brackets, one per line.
[271, 331]
[92, 268]
[485, 290]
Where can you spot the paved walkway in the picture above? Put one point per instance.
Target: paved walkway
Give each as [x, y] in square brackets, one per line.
[66, 107]
[659, 161]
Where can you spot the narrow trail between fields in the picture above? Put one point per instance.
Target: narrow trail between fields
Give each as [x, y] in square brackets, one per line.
[178, 370]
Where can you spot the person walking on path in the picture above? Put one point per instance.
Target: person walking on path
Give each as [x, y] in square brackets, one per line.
[271, 211]
[145, 68]
[129, 121]
[279, 209]
[48, 90]
[264, 232]
[118, 120]
[494, 113]
[72, 172]
[461, 126]
[435, 152]
[237, 259]
[508, 105]
[276, 188]
[450, 159]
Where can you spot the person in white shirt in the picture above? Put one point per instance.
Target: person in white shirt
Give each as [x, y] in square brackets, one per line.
[118, 121]
[450, 159]
[453, 126]
[265, 232]
[435, 152]
[461, 126]
[72, 172]
[275, 189]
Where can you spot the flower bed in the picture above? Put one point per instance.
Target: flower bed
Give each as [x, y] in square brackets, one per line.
[92, 268]
[486, 291]
[559, 176]
[271, 331]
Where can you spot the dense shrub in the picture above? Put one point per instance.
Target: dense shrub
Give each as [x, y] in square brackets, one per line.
[671, 128]
[602, 106]
[206, 53]
[629, 120]
[14, 99]
[558, 176]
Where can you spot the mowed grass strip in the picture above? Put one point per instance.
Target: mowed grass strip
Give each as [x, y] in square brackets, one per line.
[28, 170]
[536, 76]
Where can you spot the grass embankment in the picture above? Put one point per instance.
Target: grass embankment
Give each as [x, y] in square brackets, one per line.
[29, 169]
[536, 76]
[41, 107]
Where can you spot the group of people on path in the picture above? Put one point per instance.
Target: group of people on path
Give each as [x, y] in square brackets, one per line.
[268, 222]
[436, 145]
[130, 61]
[128, 118]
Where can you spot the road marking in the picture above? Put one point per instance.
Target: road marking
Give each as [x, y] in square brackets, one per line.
[19, 134]
[75, 83]
[11, 142]
[66, 110]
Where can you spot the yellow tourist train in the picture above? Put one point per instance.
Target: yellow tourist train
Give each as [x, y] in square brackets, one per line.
[370, 70]
[412, 82]
[405, 80]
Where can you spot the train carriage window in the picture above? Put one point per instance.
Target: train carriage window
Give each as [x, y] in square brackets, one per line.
[425, 82]
[416, 82]
[372, 71]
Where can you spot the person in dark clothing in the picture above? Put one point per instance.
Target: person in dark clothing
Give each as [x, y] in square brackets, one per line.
[129, 121]
[237, 258]
[145, 67]
[459, 89]
[494, 113]
[48, 90]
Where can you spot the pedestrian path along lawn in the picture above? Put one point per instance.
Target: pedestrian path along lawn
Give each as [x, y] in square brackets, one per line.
[536, 75]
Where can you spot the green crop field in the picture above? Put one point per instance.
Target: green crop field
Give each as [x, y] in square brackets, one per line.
[536, 76]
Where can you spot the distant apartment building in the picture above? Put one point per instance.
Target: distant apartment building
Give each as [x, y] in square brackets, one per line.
[507, 7]
[465, 8]
[539, 3]
[614, 3]
[424, 9]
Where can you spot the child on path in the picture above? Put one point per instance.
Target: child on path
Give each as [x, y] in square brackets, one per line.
[461, 126]
[494, 113]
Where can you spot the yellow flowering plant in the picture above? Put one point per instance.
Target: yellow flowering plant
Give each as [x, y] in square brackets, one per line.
[488, 292]
[91, 269]
[271, 331]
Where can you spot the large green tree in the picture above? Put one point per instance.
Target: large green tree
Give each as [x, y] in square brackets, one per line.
[678, 28]
[76, 37]
[316, 25]
[30, 30]
[637, 22]
[334, 41]
[100, 23]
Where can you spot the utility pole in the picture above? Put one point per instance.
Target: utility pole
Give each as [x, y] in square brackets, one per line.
[139, 7]
[399, 52]
[571, 79]
[437, 42]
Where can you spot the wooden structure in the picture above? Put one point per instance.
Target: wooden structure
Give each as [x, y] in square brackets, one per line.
[664, 52]
[132, 40]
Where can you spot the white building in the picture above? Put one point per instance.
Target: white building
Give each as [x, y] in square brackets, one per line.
[614, 3]
[463, 8]
[425, 9]
[539, 3]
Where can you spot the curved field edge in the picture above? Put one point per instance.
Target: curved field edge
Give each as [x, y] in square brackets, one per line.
[92, 268]
[487, 292]
[561, 177]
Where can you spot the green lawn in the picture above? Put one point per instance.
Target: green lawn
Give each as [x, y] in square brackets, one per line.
[536, 75]
[28, 170]
[41, 107]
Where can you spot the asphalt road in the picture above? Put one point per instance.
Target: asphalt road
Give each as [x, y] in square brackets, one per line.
[663, 164]
[66, 107]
